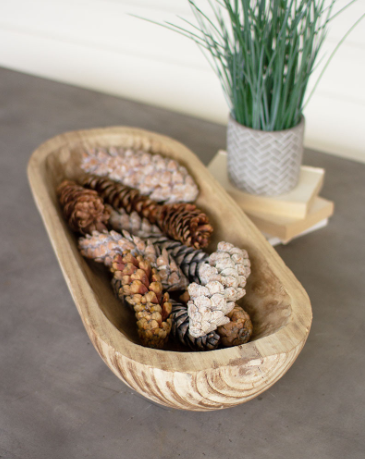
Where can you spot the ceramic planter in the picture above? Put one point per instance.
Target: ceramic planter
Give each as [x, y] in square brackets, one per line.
[264, 162]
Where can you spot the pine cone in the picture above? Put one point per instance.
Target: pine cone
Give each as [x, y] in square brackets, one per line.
[238, 330]
[188, 258]
[228, 256]
[83, 209]
[223, 281]
[133, 223]
[180, 330]
[140, 286]
[207, 308]
[182, 222]
[103, 247]
[163, 179]
[185, 223]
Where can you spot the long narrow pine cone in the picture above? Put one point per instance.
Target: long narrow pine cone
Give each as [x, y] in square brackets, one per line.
[180, 330]
[238, 330]
[162, 179]
[83, 209]
[182, 222]
[140, 286]
[103, 247]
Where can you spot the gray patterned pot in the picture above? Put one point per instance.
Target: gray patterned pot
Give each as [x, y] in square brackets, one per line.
[264, 163]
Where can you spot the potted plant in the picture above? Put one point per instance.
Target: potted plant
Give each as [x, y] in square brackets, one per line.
[264, 52]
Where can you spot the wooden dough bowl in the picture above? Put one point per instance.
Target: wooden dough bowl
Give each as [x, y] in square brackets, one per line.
[198, 381]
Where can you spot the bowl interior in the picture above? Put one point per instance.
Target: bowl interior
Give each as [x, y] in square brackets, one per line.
[266, 301]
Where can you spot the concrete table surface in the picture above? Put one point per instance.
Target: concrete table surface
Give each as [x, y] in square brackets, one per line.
[58, 399]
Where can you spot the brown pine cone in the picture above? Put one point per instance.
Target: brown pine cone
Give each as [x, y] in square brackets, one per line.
[83, 209]
[140, 286]
[182, 222]
[185, 223]
[122, 197]
[238, 330]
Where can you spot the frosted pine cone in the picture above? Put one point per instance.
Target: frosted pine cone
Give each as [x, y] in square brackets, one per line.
[103, 247]
[83, 209]
[238, 330]
[230, 266]
[207, 308]
[180, 330]
[162, 179]
[222, 281]
[140, 285]
[182, 222]
[133, 223]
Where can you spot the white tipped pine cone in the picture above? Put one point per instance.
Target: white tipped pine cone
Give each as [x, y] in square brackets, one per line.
[162, 179]
[133, 223]
[207, 308]
[223, 279]
[103, 247]
[230, 266]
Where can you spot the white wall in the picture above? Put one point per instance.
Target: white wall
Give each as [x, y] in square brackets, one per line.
[96, 44]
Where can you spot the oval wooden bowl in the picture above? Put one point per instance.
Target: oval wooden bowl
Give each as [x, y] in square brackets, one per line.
[202, 381]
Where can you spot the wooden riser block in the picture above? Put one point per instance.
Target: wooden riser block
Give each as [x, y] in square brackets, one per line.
[274, 241]
[287, 228]
[295, 204]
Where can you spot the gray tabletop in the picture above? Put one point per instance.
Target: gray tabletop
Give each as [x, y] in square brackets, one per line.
[57, 397]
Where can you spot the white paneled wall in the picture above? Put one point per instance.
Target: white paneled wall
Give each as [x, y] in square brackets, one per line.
[98, 45]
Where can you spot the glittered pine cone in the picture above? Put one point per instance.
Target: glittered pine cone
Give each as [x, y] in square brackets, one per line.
[140, 286]
[83, 209]
[182, 222]
[238, 330]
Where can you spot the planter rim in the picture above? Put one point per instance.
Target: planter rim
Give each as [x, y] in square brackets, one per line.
[301, 122]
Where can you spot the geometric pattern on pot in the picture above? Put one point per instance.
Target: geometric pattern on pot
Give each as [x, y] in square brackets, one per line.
[264, 163]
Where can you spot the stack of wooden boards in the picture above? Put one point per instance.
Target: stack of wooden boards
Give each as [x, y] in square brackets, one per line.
[281, 218]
